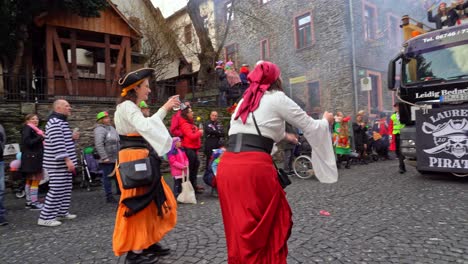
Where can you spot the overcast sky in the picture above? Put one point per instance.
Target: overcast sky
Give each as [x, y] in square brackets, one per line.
[168, 7]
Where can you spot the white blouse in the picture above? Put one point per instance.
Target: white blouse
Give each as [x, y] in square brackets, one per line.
[129, 119]
[274, 110]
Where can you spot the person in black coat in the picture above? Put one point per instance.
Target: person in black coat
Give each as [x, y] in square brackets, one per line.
[444, 17]
[214, 133]
[360, 136]
[223, 84]
[32, 150]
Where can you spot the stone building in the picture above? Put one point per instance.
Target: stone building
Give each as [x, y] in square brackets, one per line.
[325, 49]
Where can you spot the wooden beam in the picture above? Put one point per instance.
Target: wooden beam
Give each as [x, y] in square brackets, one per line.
[119, 62]
[107, 62]
[50, 60]
[63, 63]
[128, 56]
[73, 62]
[84, 43]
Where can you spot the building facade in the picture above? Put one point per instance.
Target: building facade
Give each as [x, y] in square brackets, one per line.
[325, 49]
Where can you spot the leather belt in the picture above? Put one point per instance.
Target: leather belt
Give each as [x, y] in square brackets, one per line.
[132, 142]
[249, 142]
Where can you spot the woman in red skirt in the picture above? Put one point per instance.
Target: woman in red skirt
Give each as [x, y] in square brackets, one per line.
[256, 214]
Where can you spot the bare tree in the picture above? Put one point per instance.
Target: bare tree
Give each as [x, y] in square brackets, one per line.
[208, 54]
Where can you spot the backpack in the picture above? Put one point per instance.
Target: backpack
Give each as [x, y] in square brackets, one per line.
[209, 177]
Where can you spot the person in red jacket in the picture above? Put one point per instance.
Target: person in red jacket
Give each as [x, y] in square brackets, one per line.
[175, 121]
[191, 141]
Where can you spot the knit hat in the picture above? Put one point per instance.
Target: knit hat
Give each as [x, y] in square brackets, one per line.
[101, 115]
[143, 105]
[219, 63]
[133, 79]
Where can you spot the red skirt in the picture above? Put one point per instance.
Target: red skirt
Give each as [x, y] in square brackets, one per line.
[257, 217]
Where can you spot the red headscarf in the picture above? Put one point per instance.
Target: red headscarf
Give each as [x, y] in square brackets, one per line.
[264, 74]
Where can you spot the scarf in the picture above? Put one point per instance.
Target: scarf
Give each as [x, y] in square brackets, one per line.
[264, 74]
[36, 129]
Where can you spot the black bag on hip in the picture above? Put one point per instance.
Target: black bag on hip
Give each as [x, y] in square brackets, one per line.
[136, 173]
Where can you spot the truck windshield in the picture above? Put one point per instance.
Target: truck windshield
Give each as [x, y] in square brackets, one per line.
[437, 65]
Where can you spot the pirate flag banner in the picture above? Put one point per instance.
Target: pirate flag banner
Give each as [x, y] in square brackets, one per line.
[442, 140]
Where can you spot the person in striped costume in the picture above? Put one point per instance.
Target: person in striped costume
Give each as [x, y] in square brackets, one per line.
[59, 161]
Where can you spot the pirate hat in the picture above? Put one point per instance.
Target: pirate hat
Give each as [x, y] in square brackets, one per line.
[133, 79]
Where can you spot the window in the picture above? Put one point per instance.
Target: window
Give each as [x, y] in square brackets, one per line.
[229, 11]
[370, 21]
[264, 1]
[393, 28]
[188, 34]
[265, 49]
[304, 30]
[375, 95]
[313, 95]
[231, 53]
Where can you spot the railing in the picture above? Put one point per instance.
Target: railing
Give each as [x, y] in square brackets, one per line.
[24, 88]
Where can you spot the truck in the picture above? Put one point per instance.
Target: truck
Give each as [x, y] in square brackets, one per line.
[430, 79]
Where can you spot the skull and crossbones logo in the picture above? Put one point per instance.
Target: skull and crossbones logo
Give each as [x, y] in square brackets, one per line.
[450, 137]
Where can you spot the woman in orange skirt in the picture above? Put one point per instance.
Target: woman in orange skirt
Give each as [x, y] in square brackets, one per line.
[146, 213]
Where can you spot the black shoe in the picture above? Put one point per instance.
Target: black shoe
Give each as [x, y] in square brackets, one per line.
[3, 221]
[157, 250]
[143, 258]
[111, 199]
[402, 171]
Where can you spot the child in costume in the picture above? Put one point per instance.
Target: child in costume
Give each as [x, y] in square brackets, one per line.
[179, 164]
[341, 139]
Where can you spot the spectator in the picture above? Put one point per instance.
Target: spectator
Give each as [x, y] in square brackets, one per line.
[146, 213]
[243, 73]
[462, 11]
[288, 150]
[214, 133]
[191, 141]
[3, 221]
[380, 136]
[32, 151]
[223, 85]
[59, 161]
[234, 81]
[397, 126]
[360, 136]
[179, 164]
[106, 142]
[256, 213]
[175, 121]
[145, 109]
[445, 17]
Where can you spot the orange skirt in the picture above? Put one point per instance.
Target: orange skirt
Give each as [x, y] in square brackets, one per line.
[145, 228]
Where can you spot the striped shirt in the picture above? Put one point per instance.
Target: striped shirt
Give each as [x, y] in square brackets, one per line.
[59, 144]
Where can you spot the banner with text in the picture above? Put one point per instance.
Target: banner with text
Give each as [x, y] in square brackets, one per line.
[442, 139]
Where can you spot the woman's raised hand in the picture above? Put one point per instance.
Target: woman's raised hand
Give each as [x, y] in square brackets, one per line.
[329, 117]
[172, 102]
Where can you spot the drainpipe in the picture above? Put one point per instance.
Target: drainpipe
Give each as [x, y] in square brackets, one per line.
[353, 50]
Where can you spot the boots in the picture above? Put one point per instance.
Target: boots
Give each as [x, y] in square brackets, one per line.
[143, 258]
[157, 250]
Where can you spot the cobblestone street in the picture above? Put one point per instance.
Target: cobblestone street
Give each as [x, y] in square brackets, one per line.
[377, 216]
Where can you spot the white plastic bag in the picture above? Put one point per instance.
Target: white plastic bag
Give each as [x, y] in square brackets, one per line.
[188, 193]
